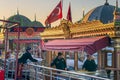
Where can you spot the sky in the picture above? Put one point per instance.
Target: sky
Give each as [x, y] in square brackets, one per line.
[42, 8]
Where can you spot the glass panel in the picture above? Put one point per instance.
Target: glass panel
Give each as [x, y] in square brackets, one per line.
[54, 54]
[70, 60]
[81, 59]
[109, 59]
[95, 55]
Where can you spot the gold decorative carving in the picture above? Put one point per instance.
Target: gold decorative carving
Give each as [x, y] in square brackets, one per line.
[67, 29]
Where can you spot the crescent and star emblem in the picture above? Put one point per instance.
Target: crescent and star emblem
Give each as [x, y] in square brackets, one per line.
[57, 12]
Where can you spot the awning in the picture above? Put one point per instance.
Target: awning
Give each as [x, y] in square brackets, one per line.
[90, 45]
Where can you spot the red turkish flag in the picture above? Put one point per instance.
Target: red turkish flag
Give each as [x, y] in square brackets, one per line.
[69, 17]
[55, 14]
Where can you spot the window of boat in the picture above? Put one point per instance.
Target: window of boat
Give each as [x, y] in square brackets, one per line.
[81, 59]
[109, 59]
[70, 60]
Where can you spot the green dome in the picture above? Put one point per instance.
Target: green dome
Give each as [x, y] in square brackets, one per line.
[36, 24]
[24, 21]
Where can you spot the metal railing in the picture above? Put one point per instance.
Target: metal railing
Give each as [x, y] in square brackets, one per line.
[47, 73]
[34, 71]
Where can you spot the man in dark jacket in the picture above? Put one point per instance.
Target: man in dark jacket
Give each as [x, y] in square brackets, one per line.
[89, 64]
[26, 56]
[22, 60]
[59, 62]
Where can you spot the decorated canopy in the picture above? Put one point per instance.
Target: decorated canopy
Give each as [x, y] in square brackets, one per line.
[90, 45]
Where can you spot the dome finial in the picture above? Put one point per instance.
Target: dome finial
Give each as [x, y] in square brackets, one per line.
[17, 11]
[35, 17]
[106, 3]
[116, 4]
[83, 12]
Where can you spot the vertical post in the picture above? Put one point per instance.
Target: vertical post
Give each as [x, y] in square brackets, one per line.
[36, 69]
[76, 61]
[99, 59]
[64, 55]
[49, 57]
[6, 39]
[116, 57]
[116, 45]
[51, 74]
[18, 47]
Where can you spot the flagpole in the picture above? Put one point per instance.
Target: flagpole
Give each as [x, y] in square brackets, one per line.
[62, 9]
[62, 2]
[83, 12]
[70, 11]
[69, 14]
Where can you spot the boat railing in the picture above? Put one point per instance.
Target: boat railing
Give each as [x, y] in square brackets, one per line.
[1, 64]
[35, 71]
[38, 72]
[111, 71]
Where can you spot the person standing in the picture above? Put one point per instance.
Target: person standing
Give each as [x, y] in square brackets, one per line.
[23, 60]
[27, 55]
[89, 64]
[59, 62]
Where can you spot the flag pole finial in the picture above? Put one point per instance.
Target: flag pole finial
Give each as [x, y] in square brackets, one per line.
[83, 12]
[106, 3]
[17, 11]
[116, 4]
[69, 14]
[35, 16]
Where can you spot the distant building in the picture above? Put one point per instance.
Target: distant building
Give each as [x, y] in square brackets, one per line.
[29, 30]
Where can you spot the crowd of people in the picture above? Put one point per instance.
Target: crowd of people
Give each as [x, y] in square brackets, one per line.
[88, 65]
[59, 62]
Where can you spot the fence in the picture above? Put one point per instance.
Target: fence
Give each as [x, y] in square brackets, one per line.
[47, 73]
[34, 71]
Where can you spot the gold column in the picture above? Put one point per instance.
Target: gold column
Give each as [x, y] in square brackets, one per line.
[64, 55]
[76, 61]
[48, 58]
[100, 59]
[116, 59]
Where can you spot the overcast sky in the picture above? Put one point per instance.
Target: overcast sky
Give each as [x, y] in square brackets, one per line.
[42, 8]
